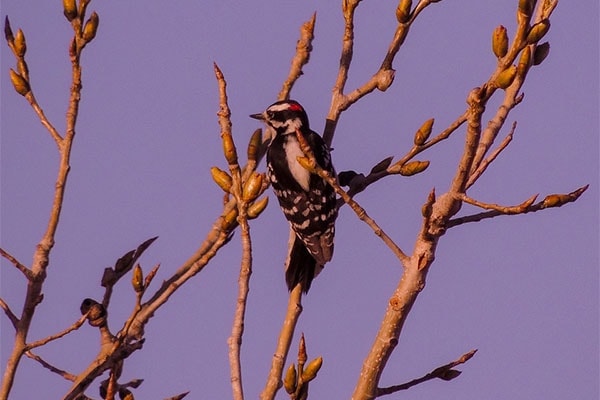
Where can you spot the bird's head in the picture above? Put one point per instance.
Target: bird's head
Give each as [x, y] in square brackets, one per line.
[284, 117]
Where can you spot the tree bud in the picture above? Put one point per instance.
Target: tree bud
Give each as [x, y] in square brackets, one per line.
[221, 178]
[70, 9]
[506, 77]
[306, 163]
[20, 44]
[289, 381]
[403, 11]
[256, 208]
[20, 84]
[423, 133]
[555, 200]
[540, 53]
[8, 34]
[229, 149]
[252, 187]
[91, 27]
[524, 61]
[408, 169]
[311, 370]
[500, 41]
[538, 31]
[230, 219]
[450, 374]
[254, 145]
[526, 7]
[379, 167]
[137, 280]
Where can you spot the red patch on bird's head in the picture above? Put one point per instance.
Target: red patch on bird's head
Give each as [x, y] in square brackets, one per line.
[296, 107]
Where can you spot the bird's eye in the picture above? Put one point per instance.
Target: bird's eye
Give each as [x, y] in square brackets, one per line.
[270, 114]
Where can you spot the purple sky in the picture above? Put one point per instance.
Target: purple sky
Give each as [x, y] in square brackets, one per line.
[523, 290]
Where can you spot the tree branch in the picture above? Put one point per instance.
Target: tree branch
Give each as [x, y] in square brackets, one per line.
[24, 270]
[483, 164]
[76, 325]
[68, 376]
[42, 253]
[242, 193]
[552, 200]
[444, 372]
[381, 80]
[437, 212]
[518, 209]
[294, 309]
[311, 165]
[301, 58]
[14, 320]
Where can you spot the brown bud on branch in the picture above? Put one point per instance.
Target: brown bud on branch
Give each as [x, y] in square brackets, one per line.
[500, 41]
[311, 370]
[21, 85]
[409, 169]
[254, 145]
[91, 27]
[524, 61]
[526, 7]
[229, 149]
[289, 381]
[538, 31]
[256, 208]
[8, 34]
[423, 133]
[230, 220]
[403, 11]
[20, 44]
[252, 187]
[540, 53]
[221, 178]
[137, 280]
[70, 9]
[506, 77]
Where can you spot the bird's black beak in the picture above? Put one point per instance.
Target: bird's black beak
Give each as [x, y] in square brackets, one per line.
[258, 116]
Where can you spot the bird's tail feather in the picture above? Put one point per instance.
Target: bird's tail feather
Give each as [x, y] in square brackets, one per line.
[302, 267]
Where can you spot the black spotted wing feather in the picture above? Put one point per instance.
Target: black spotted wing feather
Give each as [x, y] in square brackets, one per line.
[311, 213]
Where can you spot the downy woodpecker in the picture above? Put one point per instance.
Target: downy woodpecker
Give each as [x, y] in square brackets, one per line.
[307, 201]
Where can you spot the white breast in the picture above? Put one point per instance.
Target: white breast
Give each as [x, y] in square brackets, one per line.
[292, 150]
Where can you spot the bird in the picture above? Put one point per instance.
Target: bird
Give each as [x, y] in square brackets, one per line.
[308, 202]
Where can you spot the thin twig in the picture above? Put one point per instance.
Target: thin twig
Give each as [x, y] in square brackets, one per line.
[360, 212]
[483, 164]
[24, 270]
[68, 376]
[518, 209]
[444, 372]
[14, 320]
[476, 103]
[553, 200]
[44, 120]
[301, 57]
[76, 325]
[363, 216]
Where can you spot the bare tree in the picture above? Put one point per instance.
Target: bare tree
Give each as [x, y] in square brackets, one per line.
[243, 187]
